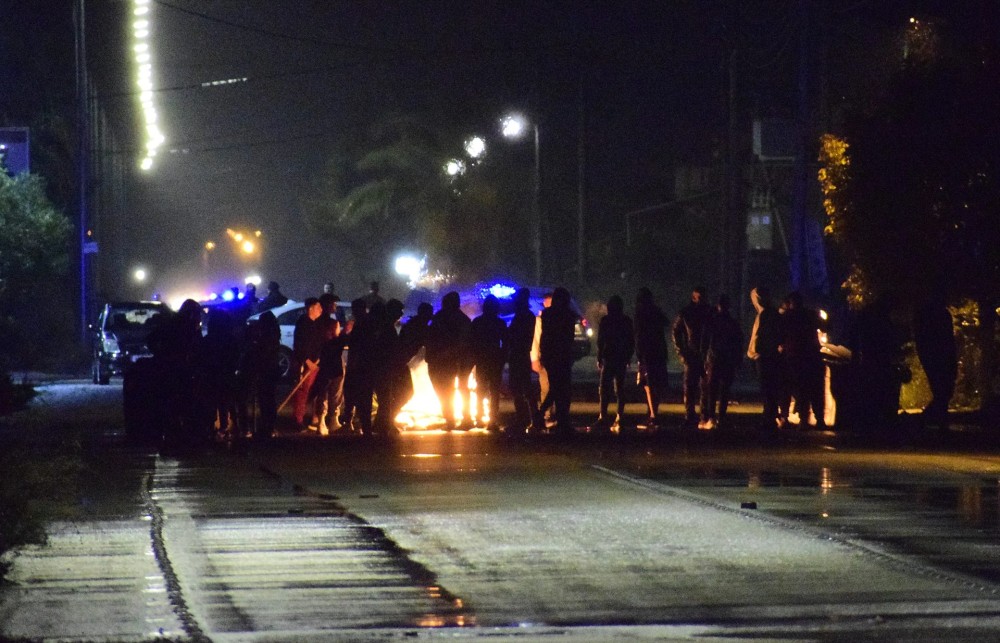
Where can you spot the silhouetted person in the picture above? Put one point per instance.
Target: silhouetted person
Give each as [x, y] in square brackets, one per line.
[413, 334]
[309, 335]
[803, 360]
[327, 391]
[273, 299]
[688, 335]
[173, 343]
[373, 296]
[447, 353]
[651, 352]
[259, 375]
[359, 378]
[934, 334]
[875, 352]
[556, 354]
[217, 359]
[487, 341]
[520, 335]
[615, 347]
[724, 342]
[246, 308]
[328, 289]
[765, 351]
[393, 384]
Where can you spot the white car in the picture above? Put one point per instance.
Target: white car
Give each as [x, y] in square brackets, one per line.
[287, 314]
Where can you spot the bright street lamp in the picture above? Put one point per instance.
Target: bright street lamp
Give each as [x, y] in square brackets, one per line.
[513, 126]
[140, 275]
[475, 147]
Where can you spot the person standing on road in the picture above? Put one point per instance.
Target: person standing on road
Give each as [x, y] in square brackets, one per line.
[412, 338]
[651, 353]
[259, 375]
[615, 346]
[307, 342]
[765, 351]
[724, 353]
[447, 354]
[934, 334]
[487, 342]
[388, 366]
[217, 360]
[328, 389]
[803, 360]
[359, 379]
[544, 398]
[688, 335]
[520, 336]
[556, 353]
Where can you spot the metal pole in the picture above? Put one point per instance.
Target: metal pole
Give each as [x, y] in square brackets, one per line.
[82, 123]
[538, 211]
[581, 165]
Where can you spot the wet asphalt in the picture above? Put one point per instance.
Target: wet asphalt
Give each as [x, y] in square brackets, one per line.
[669, 535]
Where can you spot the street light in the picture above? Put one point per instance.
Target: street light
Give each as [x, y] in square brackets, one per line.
[140, 275]
[513, 126]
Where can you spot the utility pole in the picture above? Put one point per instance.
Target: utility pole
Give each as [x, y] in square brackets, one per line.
[800, 184]
[581, 165]
[82, 158]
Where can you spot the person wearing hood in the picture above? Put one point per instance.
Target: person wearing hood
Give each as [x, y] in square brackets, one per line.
[689, 334]
[764, 350]
[615, 347]
[446, 353]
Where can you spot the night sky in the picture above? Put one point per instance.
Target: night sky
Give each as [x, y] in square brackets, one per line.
[654, 80]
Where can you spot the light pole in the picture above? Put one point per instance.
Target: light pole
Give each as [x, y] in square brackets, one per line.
[513, 126]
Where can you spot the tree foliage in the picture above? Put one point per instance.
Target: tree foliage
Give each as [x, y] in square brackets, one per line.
[912, 184]
[394, 193]
[33, 256]
[33, 235]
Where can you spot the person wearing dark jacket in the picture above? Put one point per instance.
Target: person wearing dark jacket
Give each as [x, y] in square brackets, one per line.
[413, 334]
[487, 344]
[328, 389]
[392, 374]
[362, 355]
[520, 336]
[273, 299]
[765, 351]
[651, 352]
[724, 352]
[934, 334]
[556, 353]
[307, 342]
[615, 346]
[447, 354]
[801, 349]
[688, 335]
[217, 360]
[259, 375]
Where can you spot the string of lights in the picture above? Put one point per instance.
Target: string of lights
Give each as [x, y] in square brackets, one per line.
[142, 28]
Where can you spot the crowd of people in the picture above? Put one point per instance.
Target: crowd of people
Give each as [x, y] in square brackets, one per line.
[224, 381]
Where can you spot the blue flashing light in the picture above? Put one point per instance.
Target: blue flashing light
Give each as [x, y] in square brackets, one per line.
[213, 296]
[500, 291]
[241, 295]
[228, 295]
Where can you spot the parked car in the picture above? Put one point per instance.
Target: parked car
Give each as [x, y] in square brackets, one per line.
[287, 315]
[120, 336]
